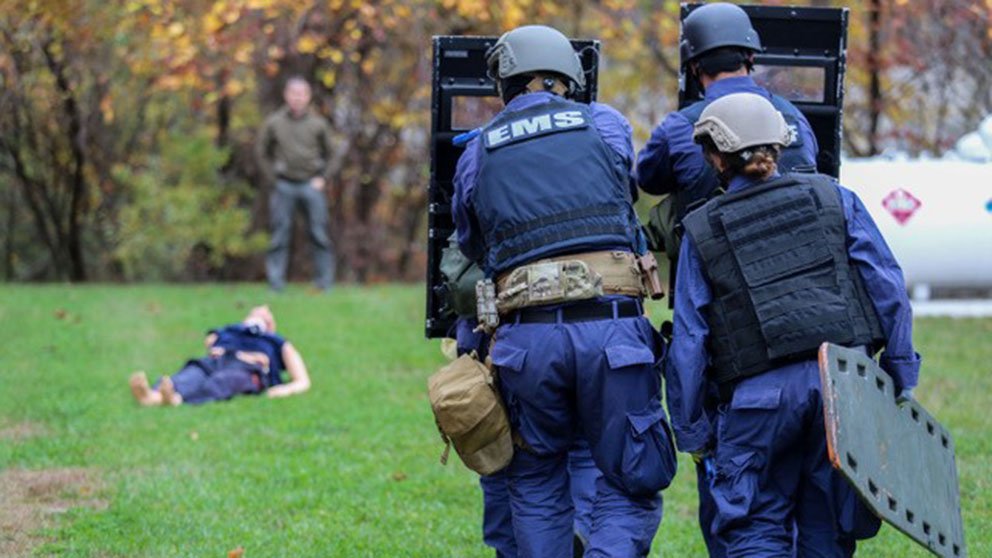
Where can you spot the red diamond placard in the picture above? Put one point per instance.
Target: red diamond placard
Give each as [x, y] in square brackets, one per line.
[901, 204]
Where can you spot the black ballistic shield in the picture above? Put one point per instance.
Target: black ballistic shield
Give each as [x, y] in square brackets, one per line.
[464, 98]
[803, 59]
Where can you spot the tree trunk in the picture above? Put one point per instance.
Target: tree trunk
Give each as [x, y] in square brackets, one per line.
[874, 71]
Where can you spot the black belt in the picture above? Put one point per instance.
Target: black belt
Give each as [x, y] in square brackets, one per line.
[581, 312]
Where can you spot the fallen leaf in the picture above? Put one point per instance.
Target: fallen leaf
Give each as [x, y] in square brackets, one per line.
[237, 552]
[399, 476]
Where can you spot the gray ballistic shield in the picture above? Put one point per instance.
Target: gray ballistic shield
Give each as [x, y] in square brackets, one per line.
[898, 457]
[463, 98]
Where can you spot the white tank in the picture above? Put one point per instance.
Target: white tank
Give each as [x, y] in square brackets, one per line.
[935, 215]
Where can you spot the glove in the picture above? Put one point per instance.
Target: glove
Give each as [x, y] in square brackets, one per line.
[904, 397]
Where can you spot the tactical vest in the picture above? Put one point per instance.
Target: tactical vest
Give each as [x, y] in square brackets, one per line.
[775, 256]
[792, 159]
[548, 185]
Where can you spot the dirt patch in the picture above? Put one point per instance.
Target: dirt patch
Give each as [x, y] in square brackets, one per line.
[21, 430]
[33, 499]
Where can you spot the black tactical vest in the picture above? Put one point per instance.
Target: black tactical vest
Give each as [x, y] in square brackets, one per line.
[775, 255]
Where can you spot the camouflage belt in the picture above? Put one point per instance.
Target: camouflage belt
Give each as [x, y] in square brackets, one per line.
[569, 278]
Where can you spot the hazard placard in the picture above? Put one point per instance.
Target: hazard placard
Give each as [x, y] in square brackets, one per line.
[901, 204]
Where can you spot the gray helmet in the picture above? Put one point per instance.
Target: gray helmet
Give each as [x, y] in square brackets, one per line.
[741, 120]
[534, 48]
[716, 25]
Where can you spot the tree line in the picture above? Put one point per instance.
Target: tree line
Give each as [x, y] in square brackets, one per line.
[126, 127]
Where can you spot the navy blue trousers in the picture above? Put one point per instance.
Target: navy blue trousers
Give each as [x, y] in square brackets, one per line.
[775, 491]
[598, 381]
[220, 378]
[497, 518]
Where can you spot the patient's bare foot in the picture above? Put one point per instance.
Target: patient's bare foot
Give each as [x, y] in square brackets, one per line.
[144, 394]
[168, 391]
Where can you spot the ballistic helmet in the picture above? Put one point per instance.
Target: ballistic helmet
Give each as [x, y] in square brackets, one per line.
[534, 48]
[714, 26]
[741, 120]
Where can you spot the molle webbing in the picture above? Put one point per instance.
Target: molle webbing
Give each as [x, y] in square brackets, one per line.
[776, 257]
[606, 219]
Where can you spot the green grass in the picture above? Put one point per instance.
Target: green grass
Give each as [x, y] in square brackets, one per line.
[348, 469]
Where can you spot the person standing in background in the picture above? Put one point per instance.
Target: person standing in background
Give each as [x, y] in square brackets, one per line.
[294, 151]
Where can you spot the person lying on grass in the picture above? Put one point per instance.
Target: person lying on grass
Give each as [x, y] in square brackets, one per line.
[244, 358]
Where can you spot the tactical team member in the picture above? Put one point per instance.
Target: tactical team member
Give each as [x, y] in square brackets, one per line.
[549, 178]
[767, 272]
[497, 524]
[718, 46]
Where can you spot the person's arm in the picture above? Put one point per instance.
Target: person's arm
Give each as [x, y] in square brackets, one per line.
[466, 225]
[884, 282]
[617, 133]
[685, 370]
[263, 152]
[656, 165]
[299, 378]
[810, 146]
[210, 341]
[327, 147]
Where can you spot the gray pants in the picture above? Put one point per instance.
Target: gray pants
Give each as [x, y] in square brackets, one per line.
[282, 205]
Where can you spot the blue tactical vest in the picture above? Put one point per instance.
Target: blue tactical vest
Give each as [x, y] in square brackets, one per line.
[792, 159]
[775, 255]
[548, 185]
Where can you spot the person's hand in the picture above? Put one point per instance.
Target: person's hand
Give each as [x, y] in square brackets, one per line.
[905, 396]
[318, 183]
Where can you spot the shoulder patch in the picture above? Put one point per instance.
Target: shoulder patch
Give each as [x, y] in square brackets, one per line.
[794, 135]
[532, 126]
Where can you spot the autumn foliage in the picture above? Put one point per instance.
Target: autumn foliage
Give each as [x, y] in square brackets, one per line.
[127, 125]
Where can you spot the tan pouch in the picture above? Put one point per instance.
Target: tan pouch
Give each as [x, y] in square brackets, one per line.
[470, 415]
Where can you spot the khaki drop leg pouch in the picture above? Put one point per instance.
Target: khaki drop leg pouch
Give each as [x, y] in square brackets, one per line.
[470, 415]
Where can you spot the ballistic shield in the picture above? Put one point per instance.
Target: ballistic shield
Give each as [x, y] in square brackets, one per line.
[897, 456]
[802, 58]
[464, 98]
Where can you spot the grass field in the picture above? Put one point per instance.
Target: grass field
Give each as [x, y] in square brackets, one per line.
[348, 469]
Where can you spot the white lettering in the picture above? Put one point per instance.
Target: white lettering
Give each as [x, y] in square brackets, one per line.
[498, 135]
[529, 126]
[569, 119]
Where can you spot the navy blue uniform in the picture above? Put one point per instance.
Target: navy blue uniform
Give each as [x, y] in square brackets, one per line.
[673, 163]
[771, 462]
[218, 378]
[556, 188]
